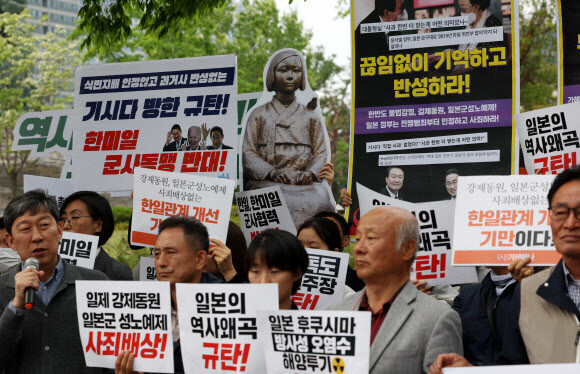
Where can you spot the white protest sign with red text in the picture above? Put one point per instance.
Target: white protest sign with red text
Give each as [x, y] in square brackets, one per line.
[323, 283]
[500, 219]
[79, 249]
[263, 209]
[125, 114]
[160, 194]
[433, 263]
[218, 328]
[549, 138]
[117, 316]
[317, 341]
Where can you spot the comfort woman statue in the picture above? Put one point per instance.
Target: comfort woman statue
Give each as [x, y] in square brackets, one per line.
[285, 142]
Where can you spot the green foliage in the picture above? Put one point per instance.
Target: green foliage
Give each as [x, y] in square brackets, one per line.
[538, 54]
[12, 6]
[118, 247]
[342, 8]
[122, 214]
[35, 70]
[108, 22]
[253, 31]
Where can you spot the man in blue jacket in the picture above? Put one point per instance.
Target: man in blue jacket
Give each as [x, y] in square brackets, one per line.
[483, 308]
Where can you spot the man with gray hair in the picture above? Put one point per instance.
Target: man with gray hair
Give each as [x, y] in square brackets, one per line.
[43, 336]
[408, 328]
[194, 142]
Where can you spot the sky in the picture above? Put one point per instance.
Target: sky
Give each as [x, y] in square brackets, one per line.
[319, 17]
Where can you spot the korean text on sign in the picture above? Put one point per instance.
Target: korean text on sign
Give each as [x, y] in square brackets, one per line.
[79, 249]
[116, 316]
[499, 221]
[549, 138]
[220, 332]
[315, 341]
[263, 209]
[159, 194]
[323, 283]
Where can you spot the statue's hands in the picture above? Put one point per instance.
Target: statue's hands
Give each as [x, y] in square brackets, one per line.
[304, 178]
[280, 177]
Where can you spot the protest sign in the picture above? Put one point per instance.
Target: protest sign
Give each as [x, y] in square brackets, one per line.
[218, 329]
[502, 219]
[433, 263]
[549, 138]
[160, 194]
[42, 133]
[157, 115]
[433, 93]
[285, 142]
[322, 285]
[516, 369]
[147, 269]
[568, 49]
[79, 249]
[59, 188]
[263, 209]
[315, 341]
[117, 316]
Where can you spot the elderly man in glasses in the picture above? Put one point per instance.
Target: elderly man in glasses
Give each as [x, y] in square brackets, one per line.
[545, 327]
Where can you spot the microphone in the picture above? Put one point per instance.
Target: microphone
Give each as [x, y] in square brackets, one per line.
[31, 262]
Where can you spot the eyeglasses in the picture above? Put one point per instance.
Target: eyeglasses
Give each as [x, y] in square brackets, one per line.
[464, 9]
[561, 213]
[72, 221]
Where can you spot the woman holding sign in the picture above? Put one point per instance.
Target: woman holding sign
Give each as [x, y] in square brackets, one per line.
[87, 212]
[322, 233]
[276, 256]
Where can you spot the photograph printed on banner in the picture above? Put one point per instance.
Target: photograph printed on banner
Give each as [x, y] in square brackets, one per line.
[433, 96]
[285, 142]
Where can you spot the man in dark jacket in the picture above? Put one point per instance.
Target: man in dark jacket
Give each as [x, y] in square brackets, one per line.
[41, 337]
[483, 308]
[180, 255]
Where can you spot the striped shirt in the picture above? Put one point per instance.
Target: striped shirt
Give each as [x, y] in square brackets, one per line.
[573, 286]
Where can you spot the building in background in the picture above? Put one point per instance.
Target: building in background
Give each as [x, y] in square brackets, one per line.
[60, 13]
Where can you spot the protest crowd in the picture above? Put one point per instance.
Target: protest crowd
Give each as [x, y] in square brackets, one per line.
[438, 257]
[511, 317]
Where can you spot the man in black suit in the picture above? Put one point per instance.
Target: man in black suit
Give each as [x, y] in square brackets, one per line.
[178, 141]
[394, 179]
[217, 136]
[451, 183]
[371, 43]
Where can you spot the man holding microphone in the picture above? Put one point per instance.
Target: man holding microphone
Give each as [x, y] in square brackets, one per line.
[40, 335]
